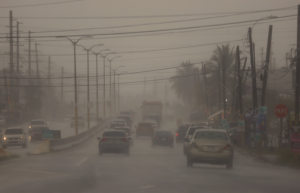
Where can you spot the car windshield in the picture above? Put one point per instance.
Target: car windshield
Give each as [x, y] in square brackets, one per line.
[37, 123]
[114, 134]
[145, 125]
[13, 131]
[162, 133]
[40, 129]
[211, 135]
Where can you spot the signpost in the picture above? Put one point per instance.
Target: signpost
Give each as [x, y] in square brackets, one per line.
[51, 134]
[281, 111]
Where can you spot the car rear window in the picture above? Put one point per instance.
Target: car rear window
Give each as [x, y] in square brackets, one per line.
[13, 131]
[211, 135]
[37, 123]
[116, 125]
[123, 129]
[114, 134]
[193, 129]
[145, 124]
[40, 129]
[163, 133]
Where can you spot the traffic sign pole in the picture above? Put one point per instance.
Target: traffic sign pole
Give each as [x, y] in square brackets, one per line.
[281, 111]
[280, 133]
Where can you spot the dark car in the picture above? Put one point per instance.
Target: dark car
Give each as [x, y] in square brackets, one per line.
[127, 119]
[163, 138]
[36, 133]
[114, 142]
[181, 132]
[144, 129]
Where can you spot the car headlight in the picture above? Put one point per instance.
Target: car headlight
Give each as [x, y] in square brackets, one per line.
[29, 127]
[4, 138]
[21, 137]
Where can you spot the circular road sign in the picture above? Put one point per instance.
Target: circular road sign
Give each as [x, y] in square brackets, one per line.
[281, 111]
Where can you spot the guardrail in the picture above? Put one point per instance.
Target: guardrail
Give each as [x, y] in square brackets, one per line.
[63, 143]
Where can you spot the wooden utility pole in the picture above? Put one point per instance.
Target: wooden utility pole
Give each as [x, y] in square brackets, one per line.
[224, 87]
[62, 86]
[240, 94]
[286, 59]
[144, 88]
[49, 62]
[262, 57]
[6, 92]
[37, 62]
[18, 65]
[266, 67]
[204, 82]
[29, 54]
[11, 54]
[220, 86]
[297, 70]
[242, 75]
[233, 92]
[253, 70]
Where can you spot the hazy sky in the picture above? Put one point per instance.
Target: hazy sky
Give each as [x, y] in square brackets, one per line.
[44, 19]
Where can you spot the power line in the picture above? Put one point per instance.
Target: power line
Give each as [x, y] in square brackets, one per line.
[35, 5]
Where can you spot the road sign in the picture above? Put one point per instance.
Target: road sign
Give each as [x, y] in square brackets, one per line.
[205, 110]
[261, 123]
[281, 111]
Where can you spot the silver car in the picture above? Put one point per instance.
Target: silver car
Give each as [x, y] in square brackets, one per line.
[189, 134]
[14, 136]
[114, 142]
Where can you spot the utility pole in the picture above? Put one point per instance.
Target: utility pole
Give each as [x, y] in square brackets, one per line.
[266, 68]
[118, 93]
[253, 70]
[224, 88]
[144, 88]
[274, 64]
[18, 65]
[220, 85]
[29, 54]
[233, 110]
[240, 99]
[62, 86]
[204, 82]
[11, 54]
[297, 70]
[286, 59]
[36, 61]
[262, 57]
[49, 62]
[6, 92]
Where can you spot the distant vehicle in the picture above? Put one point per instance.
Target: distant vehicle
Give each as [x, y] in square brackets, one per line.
[14, 136]
[163, 138]
[127, 113]
[36, 133]
[80, 121]
[68, 117]
[114, 142]
[120, 121]
[152, 110]
[128, 132]
[36, 123]
[202, 124]
[2, 121]
[127, 118]
[180, 133]
[114, 125]
[189, 134]
[144, 129]
[211, 146]
[153, 122]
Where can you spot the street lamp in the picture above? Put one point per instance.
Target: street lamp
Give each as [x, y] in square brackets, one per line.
[74, 42]
[110, 60]
[104, 56]
[97, 103]
[268, 17]
[119, 89]
[88, 80]
[115, 87]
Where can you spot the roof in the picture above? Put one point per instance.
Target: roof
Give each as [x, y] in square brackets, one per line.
[215, 130]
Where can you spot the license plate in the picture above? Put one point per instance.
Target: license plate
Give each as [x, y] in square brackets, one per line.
[210, 148]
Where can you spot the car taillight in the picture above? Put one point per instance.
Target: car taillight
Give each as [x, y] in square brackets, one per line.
[194, 145]
[176, 134]
[124, 139]
[103, 139]
[228, 147]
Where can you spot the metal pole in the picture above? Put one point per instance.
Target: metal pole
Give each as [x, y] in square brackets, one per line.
[11, 54]
[104, 88]
[18, 65]
[88, 88]
[224, 89]
[29, 54]
[115, 93]
[219, 80]
[36, 61]
[110, 103]
[97, 103]
[62, 85]
[75, 81]
[266, 68]
[297, 70]
[280, 133]
[118, 93]
[253, 71]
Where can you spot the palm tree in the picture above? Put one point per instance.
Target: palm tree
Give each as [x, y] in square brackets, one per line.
[184, 82]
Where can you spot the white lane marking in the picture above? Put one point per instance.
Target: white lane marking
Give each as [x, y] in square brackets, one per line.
[147, 187]
[82, 161]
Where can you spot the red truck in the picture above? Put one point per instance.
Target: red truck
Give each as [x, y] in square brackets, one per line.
[152, 110]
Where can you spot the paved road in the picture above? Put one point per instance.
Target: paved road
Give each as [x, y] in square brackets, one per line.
[63, 126]
[160, 170]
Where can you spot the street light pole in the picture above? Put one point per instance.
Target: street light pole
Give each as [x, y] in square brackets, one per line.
[110, 60]
[104, 103]
[115, 87]
[75, 78]
[97, 96]
[88, 81]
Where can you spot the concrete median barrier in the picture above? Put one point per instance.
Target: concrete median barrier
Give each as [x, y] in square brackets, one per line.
[63, 143]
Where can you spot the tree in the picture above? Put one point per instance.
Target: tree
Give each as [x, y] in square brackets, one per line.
[184, 82]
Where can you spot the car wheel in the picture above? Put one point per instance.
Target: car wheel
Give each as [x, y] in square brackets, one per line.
[229, 164]
[189, 162]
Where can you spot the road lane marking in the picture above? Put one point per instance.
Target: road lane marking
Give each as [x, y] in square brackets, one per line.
[82, 161]
[147, 187]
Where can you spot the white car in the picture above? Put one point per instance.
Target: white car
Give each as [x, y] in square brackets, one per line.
[14, 136]
[2, 121]
[37, 123]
